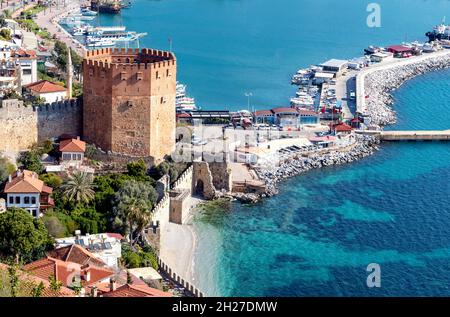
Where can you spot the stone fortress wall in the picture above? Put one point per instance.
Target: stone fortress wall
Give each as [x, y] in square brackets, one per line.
[22, 126]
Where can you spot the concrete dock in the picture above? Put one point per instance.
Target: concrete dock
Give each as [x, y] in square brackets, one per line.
[438, 135]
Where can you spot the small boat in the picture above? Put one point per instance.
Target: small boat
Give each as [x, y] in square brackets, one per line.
[87, 12]
[101, 43]
[372, 50]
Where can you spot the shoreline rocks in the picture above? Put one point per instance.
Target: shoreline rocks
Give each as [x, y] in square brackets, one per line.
[364, 146]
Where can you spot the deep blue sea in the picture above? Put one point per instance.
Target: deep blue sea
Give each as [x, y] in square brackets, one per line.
[318, 235]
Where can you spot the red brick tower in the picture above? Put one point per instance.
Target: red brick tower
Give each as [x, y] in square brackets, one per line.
[129, 101]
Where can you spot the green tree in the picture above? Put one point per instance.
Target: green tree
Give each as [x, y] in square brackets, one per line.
[163, 169]
[22, 236]
[6, 169]
[13, 279]
[137, 168]
[133, 206]
[5, 34]
[79, 187]
[31, 161]
[54, 226]
[7, 14]
[55, 285]
[37, 290]
[51, 179]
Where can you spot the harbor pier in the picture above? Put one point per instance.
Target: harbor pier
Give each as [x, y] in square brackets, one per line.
[437, 135]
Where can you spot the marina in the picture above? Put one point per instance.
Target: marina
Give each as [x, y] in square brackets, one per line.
[84, 26]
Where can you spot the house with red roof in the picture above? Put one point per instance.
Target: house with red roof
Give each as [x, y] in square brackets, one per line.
[47, 90]
[70, 274]
[72, 150]
[25, 190]
[28, 282]
[75, 266]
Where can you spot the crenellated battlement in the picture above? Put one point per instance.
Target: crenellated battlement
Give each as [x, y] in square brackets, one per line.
[15, 104]
[129, 59]
[23, 126]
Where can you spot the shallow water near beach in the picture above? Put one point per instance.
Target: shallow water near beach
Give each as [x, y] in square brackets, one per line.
[318, 235]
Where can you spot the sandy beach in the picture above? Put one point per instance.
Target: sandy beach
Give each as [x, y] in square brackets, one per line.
[178, 245]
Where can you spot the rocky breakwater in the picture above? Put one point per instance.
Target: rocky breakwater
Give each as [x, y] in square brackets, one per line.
[364, 146]
[379, 85]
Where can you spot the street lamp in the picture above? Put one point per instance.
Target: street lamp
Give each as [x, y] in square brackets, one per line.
[248, 95]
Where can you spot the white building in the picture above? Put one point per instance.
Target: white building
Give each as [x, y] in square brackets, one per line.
[27, 60]
[105, 246]
[49, 91]
[25, 190]
[335, 66]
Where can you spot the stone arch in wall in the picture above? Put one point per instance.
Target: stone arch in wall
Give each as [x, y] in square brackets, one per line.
[199, 187]
[202, 180]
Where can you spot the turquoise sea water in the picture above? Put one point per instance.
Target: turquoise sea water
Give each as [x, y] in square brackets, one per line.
[318, 235]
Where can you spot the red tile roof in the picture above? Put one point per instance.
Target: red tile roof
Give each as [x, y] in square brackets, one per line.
[26, 182]
[132, 290]
[66, 271]
[44, 86]
[261, 113]
[284, 110]
[118, 236]
[72, 145]
[399, 48]
[76, 254]
[24, 53]
[28, 282]
[342, 127]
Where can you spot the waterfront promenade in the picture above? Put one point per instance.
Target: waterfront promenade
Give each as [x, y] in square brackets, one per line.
[47, 19]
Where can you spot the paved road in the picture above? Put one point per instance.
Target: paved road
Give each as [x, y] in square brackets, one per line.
[47, 19]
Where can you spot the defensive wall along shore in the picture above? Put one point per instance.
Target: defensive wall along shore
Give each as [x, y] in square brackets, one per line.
[361, 104]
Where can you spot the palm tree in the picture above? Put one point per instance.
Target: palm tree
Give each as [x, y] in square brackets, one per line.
[79, 187]
[134, 202]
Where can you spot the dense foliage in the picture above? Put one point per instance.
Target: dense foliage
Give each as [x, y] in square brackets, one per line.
[31, 161]
[22, 236]
[6, 168]
[141, 257]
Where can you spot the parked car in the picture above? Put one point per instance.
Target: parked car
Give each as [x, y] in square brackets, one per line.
[197, 141]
